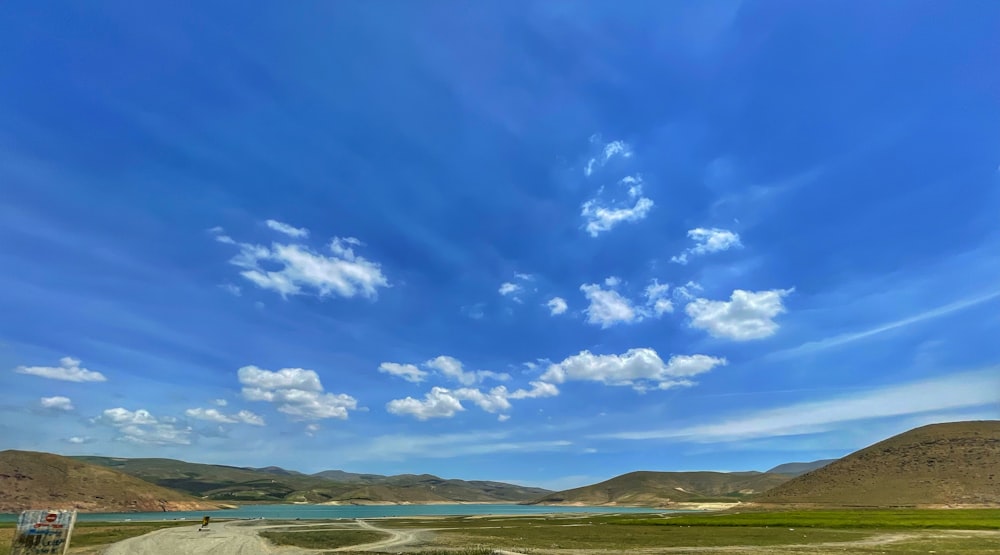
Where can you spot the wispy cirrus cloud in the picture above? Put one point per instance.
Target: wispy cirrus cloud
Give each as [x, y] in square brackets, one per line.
[69, 370]
[289, 230]
[846, 338]
[952, 392]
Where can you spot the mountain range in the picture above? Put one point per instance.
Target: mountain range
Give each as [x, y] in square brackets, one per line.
[952, 464]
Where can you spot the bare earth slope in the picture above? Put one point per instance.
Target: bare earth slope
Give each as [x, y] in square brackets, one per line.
[30, 480]
[663, 488]
[956, 463]
[276, 485]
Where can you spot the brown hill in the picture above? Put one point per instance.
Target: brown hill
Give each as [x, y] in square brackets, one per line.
[957, 463]
[665, 488]
[30, 480]
[276, 485]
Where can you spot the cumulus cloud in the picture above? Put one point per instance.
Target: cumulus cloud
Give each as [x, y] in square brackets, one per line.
[608, 307]
[600, 218]
[687, 292]
[69, 370]
[408, 372]
[296, 269]
[657, 299]
[538, 390]
[639, 368]
[747, 315]
[214, 415]
[291, 231]
[452, 368]
[56, 403]
[708, 241]
[78, 440]
[140, 426]
[441, 402]
[297, 392]
[220, 402]
[557, 305]
[508, 288]
[438, 403]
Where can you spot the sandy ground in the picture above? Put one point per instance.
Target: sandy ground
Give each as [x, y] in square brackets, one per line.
[239, 538]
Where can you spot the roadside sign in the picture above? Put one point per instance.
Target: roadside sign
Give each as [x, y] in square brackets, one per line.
[43, 532]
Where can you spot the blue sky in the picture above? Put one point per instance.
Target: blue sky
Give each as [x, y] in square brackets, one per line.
[544, 242]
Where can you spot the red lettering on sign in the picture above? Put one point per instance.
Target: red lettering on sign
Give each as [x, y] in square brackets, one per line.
[51, 517]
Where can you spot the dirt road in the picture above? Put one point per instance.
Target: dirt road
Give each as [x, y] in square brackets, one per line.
[220, 539]
[235, 538]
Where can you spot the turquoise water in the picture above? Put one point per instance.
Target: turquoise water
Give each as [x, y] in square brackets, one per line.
[348, 511]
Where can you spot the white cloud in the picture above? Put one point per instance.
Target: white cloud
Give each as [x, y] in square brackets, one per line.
[438, 403]
[220, 402]
[408, 372]
[69, 370]
[687, 292]
[291, 231]
[708, 240]
[747, 315]
[493, 401]
[503, 417]
[56, 403]
[557, 305]
[78, 440]
[608, 307]
[656, 298]
[297, 392]
[452, 368]
[300, 270]
[214, 415]
[508, 288]
[846, 338]
[248, 417]
[141, 426]
[639, 368]
[954, 391]
[538, 390]
[607, 152]
[603, 218]
[441, 402]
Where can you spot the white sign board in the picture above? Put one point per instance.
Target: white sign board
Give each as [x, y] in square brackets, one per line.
[43, 532]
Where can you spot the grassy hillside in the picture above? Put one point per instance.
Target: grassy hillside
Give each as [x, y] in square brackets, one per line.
[957, 463]
[664, 488]
[277, 485]
[30, 480]
[799, 468]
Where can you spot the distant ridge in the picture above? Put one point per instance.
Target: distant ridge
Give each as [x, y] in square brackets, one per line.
[31, 480]
[655, 489]
[798, 468]
[274, 484]
[956, 463]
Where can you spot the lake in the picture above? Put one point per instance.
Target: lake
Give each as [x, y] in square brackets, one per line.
[349, 511]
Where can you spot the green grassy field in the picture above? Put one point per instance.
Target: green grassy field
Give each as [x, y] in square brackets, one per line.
[955, 519]
[842, 532]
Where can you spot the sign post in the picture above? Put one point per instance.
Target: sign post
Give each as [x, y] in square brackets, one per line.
[43, 532]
